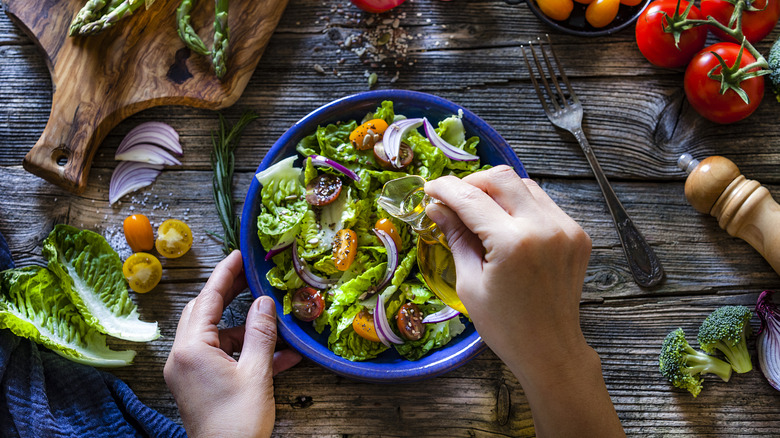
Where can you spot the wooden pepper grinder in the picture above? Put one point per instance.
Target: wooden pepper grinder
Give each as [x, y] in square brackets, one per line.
[743, 207]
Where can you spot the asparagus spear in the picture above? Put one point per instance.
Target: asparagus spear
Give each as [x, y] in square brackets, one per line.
[125, 9]
[186, 31]
[90, 12]
[221, 37]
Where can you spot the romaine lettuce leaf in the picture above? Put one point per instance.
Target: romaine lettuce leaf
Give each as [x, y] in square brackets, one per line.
[90, 272]
[34, 306]
[283, 201]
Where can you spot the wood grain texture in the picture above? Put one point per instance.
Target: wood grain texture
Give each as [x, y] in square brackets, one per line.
[636, 118]
[139, 63]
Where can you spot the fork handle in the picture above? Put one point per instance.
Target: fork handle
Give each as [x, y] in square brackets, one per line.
[644, 264]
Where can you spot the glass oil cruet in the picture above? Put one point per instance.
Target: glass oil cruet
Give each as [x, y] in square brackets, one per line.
[405, 199]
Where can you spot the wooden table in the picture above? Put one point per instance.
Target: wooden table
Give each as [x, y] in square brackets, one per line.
[636, 117]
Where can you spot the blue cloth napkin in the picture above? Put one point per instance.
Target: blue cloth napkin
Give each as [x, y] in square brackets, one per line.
[45, 395]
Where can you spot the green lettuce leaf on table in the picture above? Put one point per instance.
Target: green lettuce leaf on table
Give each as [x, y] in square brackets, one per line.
[34, 306]
[90, 273]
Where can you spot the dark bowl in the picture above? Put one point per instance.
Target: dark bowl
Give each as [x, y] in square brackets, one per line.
[389, 367]
[577, 25]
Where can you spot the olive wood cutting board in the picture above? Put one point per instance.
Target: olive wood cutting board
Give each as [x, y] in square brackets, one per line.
[101, 79]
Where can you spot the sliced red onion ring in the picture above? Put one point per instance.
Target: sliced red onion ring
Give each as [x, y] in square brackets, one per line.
[392, 257]
[383, 329]
[130, 176]
[156, 133]
[393, 135]
[445, 314]
[319, 160]
[148, 153]
[306, 275]
[454, 153]
[276, 250]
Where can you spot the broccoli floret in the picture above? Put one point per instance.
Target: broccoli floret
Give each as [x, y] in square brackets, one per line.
[774, 67]
[683, 366]
[726, 329]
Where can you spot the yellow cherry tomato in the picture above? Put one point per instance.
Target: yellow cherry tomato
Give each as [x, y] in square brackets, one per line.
[601, 12]
[556, 9]
[363, 324]
[587, 2]
[138, 233]
[387, 226]
[358, 136]
[344, 248]
[143, 271]
[174, 238]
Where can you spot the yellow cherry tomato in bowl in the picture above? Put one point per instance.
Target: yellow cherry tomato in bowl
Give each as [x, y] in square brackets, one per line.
[387, 226]
[174, 239]
[601, 12]
[556, 9]
[143, 271]
[363, 324]
[138, 233]
[344, 248]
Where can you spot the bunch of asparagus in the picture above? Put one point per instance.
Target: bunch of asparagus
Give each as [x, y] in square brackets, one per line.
[99, 15]
[191, 39]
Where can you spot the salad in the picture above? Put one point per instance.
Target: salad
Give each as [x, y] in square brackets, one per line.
[342, 261]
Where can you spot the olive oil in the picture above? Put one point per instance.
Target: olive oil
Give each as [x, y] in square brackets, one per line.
[405, 199]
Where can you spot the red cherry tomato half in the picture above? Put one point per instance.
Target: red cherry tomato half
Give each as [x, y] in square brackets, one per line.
[704, 93]
[658, 46]
[409, 321]
[755, 24]
[307, 304]
[376, 6]
[323, 189]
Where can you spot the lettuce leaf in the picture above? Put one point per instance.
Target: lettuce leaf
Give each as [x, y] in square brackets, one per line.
[283, 202]
[90, 273]
[34, 306]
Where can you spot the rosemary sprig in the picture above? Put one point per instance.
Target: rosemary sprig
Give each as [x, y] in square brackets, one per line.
[225, 141]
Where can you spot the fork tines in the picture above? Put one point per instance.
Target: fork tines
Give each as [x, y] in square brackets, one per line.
[559, 99]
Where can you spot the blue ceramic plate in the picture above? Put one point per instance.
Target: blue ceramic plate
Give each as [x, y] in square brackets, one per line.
[389, 366]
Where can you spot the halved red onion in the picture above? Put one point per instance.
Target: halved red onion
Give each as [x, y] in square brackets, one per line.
[392, 257]
[445, 314]
[130, 176]
[393, 135]
[156, 133]
[319, 160]
[383, 329]
[148, 153]
[454, 153]
[308, 277]
[768, 340]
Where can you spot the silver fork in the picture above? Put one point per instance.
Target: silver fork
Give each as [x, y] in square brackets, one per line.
[566, 113]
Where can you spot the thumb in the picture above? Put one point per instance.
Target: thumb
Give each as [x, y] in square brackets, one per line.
[467, 249]
[260, 338]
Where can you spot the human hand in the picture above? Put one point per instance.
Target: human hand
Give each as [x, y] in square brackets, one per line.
[216, 394]
[520, 263]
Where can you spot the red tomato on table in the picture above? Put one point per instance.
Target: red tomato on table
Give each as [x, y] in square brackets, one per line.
[658, 46]
[755, 24]
[704, 93]
[376, 6]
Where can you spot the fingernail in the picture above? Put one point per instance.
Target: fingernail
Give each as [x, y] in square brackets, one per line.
[436, 214]
[265, 305]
